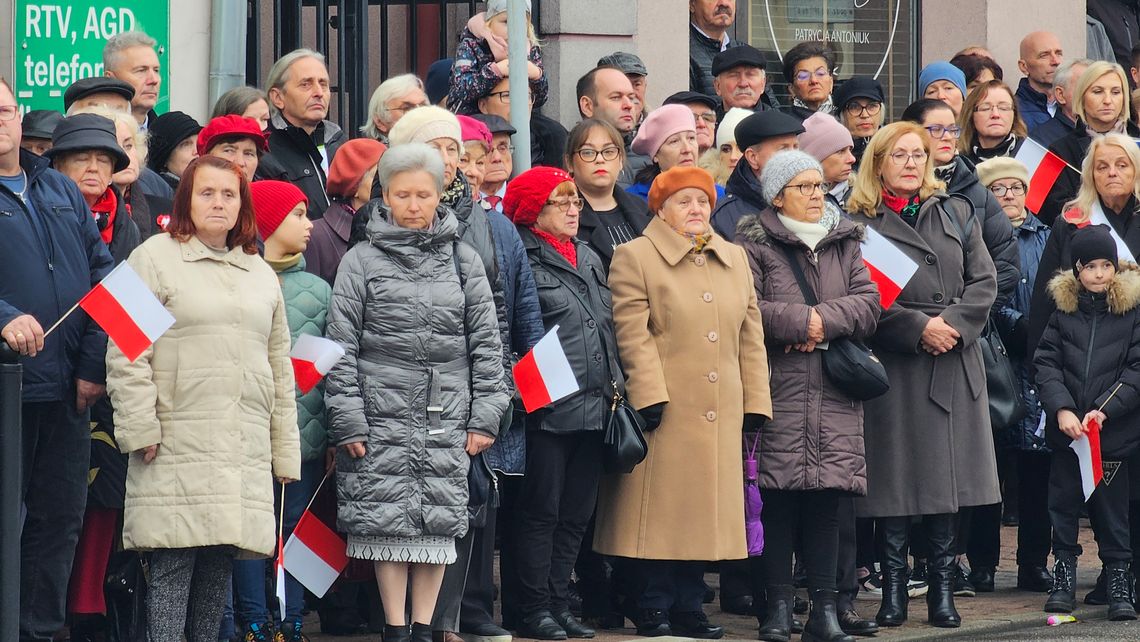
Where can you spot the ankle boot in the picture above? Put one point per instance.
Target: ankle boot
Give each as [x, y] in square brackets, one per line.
[823, 621]
[1119, 592]
[398, 633]
[1063, 597]
[777, 624]
[943, 570]
[421, 632]
[892, 611]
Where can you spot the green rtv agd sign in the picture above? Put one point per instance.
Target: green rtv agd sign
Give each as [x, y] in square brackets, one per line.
[57, 43]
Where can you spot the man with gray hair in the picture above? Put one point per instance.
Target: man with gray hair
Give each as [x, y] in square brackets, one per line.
[392, 99]
[130, 56]
[1064, 88]
[302, 142]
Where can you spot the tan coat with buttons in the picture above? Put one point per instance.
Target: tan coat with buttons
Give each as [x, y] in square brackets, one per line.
[216, 393]
[690, 334]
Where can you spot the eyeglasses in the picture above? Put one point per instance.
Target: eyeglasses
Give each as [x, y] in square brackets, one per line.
[8, 112]
[1018, 189]
[820, 73]
[858, 109]
[807, 189]
[709, 117]
[986, 108]
[901, 158]
[505, 96]
[407, 107]
[564, 206]
[589, 154]
[504, 148]
[938, 131]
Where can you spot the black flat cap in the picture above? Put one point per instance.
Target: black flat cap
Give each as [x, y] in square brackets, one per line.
[627, 62]
[87, 132]
[40, 123]
[858, 87]
[764, 125]
[742, 56]
[95, 85]
[688, 97]
[497, 124]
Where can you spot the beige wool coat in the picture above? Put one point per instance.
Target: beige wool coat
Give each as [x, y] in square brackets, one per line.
[689, 333]
[216, 393]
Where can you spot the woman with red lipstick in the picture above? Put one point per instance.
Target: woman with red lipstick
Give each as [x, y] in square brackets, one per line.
[991, 123]
[610, 216]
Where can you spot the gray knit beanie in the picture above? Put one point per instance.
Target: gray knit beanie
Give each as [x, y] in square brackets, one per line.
[782, 168]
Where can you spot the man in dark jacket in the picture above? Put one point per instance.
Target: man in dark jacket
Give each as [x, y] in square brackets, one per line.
[709, 21]
[51, 255]
[1064, 88]
[1041, 55]
[301, 142]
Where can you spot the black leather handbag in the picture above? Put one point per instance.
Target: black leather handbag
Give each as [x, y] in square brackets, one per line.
[1006, 403]
[849, 363]
[624, 444]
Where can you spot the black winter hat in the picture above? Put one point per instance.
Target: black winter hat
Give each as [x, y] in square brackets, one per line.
[96, 85]
[438, 77]
[741, 56]
[857, 87]
[1090, 243]
[87, 132]
[40, 123]
[166, 132]
[764, 125]
[497, 124]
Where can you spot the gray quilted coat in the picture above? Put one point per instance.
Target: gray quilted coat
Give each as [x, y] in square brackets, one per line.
[423, 367]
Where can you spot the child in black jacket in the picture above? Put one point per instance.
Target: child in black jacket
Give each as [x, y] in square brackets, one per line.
[1088, 368]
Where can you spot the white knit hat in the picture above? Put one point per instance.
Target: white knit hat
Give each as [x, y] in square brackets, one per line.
[782, 168]
[424, 124]
[726, 131]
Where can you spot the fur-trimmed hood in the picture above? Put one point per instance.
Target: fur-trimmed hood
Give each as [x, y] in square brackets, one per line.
[759, 227]
[1123, 292]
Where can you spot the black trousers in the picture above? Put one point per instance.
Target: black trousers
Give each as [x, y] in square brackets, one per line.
[557, 500]
[1033, 531]
[56, 456]
[668, 585]
[1108, 509]
[846, 577]
[865, 547]
[811, 517]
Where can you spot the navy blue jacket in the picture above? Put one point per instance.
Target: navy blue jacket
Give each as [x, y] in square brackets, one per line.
[47, 263]
[1053, 129]
[1033, 104]
[744, 197]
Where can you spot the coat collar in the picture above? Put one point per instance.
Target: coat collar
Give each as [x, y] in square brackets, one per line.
[339, 220]
[1123, 292]
[196, 250]
[1024, 91]
[673, 247]
[760, 227]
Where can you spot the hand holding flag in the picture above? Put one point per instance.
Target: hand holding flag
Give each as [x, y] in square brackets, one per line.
[544, 375]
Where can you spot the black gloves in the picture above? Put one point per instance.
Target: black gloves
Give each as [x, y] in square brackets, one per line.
[754, 423]
[651, 415]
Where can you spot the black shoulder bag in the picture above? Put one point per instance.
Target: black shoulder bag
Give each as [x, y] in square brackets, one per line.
[848, 363]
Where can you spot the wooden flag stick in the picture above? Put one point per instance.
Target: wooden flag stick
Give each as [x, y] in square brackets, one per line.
[1113, 394]
[1075, 169]
[62, 318]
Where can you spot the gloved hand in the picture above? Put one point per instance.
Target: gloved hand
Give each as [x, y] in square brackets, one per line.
[754, 423]
[651, 415]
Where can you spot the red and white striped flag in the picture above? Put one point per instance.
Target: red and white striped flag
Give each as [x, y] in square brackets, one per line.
[313, 357]
[315, 554]
[1088, 456]
[544, 375]
[124, 306]
[891, 269]
[1044, 167]
[280, 578]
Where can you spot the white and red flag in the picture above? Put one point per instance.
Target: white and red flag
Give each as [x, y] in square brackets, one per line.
[1044, 168]
[891, 269]
[313, 357]
[124, 306]
[544, 375]
[1088, 456]
[315, 554]
[280, 578]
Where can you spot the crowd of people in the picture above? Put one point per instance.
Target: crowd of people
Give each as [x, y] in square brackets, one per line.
[715, 263]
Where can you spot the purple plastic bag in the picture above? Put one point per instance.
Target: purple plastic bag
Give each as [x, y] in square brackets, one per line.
[753, 505]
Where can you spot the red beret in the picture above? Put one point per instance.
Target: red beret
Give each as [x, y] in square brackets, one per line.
[350, 163]
[528, 192]
[231, 125]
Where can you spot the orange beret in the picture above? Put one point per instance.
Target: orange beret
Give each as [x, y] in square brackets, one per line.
[674, 180]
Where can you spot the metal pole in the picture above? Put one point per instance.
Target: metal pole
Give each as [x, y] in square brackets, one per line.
[227, 46]
[11, 452]
[517, 47]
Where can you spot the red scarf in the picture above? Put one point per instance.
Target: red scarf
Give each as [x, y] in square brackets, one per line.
[105, 208]
[894, 203]
[567, 249]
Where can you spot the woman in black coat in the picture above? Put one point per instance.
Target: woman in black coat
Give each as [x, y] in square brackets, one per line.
[564, 439]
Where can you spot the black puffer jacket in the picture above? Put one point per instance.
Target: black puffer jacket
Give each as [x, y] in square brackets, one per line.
[295, 158]
[743, 198]
[577, 300]
[997, 232]
[1092, 344]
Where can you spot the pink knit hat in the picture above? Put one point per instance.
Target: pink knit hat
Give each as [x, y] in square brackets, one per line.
[823, 136]
[662, 123]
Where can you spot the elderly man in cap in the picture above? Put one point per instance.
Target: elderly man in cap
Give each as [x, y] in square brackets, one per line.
[634, 70]
[38, 126]
[739, 78]
[704, 110]
[760, 136]
[500, 164]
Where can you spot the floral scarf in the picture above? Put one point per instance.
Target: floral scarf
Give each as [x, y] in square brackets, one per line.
[454, 192]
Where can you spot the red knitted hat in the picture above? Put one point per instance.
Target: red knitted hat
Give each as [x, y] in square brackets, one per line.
[272, 202]
[528, 192]
[351, 162]
[231, 125]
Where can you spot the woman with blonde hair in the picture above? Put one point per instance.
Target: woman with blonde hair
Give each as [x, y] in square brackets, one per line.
[1101, 106]
[929, 449]
[991, 123]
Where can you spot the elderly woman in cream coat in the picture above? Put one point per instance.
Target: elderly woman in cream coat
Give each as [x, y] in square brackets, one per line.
[207, 412]
[690, 337]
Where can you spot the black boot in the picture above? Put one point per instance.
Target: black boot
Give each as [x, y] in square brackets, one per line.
[823, 622]
[1119, 592]
[397, 633]
[1063, 597]
[777, 624]
[694, 624]
[421, 632]
[943, 570]
[892, 611]
[1099, 595]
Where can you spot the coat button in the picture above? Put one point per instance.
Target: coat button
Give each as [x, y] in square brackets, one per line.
[700, 260]
[582, 289]
[307, 172]
[938, 297]
[707, 296]
[597, 358]
[590, 323]
[713, 377]
[713, 336]
[710, 415]
[929, 258]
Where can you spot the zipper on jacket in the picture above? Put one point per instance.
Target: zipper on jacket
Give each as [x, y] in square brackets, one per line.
[1092, 344]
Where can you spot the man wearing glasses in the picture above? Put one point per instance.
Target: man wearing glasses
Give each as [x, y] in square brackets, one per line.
[547, 136]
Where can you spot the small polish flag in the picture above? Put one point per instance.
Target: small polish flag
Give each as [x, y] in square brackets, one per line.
[1044, 167]
[313, 357]
[315, 554]
[124, 306]
[890, 268]
[1088, 456]
[544, 375]
[281, 578]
